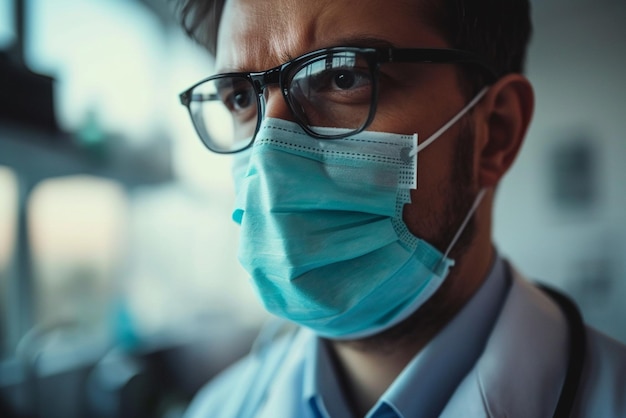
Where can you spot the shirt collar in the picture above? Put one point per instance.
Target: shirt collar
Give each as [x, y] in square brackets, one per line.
[427, 382]
[321, 386]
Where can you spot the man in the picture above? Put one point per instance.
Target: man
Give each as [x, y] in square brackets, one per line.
[370, 137]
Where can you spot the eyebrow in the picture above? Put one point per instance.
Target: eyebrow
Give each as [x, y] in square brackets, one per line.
[360, 41]
[364, 42]
[353, 41]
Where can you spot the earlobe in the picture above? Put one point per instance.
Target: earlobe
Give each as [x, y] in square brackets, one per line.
[508, 108]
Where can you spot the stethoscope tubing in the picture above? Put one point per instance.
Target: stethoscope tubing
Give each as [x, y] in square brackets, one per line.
[577, 352]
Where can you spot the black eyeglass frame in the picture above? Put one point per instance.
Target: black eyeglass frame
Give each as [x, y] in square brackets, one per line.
[283, 75]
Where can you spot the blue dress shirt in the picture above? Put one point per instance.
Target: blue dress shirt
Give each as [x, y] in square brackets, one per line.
[295, 377]
[428, 381]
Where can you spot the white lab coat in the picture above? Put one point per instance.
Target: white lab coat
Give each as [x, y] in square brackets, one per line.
[519, 375]
[523, 367]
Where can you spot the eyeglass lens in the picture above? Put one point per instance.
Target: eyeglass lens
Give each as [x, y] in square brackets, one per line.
[224, 111]
[333, 90]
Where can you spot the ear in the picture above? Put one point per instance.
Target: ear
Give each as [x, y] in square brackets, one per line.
[506, 113]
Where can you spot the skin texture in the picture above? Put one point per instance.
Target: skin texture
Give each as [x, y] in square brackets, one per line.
[253, 36]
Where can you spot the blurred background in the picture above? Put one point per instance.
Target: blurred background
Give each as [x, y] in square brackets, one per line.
[120, 293]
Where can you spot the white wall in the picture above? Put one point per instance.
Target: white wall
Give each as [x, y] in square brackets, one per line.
[577, 64]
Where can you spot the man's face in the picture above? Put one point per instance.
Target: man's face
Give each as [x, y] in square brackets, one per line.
[257, 35]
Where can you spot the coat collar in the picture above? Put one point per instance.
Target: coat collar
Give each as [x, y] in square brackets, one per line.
[521, 371]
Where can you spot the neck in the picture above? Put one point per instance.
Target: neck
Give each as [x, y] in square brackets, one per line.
[369, 366]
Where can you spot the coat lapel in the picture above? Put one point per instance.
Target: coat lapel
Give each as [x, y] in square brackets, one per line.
[522, 369]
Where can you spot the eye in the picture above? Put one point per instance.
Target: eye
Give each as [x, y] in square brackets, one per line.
[341, 79]
[344, 79]
[346, 85]
[237, 95]
[238, 100]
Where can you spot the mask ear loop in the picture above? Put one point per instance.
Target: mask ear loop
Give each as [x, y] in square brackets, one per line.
[470, 213]
[451, 122]
[432, 139]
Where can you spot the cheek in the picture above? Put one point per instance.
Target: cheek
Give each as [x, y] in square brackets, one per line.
[418, 98]
[425, 215]
[413, 109]
[397, 121]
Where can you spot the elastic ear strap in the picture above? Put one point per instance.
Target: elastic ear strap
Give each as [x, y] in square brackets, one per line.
[479, 198]
[451, 122]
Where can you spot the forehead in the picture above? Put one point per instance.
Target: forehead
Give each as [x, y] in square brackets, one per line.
[260, 34]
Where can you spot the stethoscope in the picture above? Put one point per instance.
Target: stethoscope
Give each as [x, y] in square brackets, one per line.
[577, 351]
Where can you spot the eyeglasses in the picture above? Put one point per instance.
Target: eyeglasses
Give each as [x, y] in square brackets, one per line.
[327, 88]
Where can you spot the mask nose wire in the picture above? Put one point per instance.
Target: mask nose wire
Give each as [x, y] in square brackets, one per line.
[451, 122]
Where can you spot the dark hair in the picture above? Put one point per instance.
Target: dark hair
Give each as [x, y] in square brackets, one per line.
[496, 30]
[200, 20]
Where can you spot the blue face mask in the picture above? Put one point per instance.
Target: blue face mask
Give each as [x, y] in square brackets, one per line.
[322, 234]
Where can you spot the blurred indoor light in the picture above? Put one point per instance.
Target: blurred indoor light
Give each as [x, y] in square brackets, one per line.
[78, 234]
[105, 57]
[76, 217]
[7, 31]
[8, 215]
[116, 64]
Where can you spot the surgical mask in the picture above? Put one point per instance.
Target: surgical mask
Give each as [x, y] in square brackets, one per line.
[322, 234]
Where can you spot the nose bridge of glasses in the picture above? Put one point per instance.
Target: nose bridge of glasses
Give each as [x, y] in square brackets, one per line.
[274, 105]
[265, 78]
